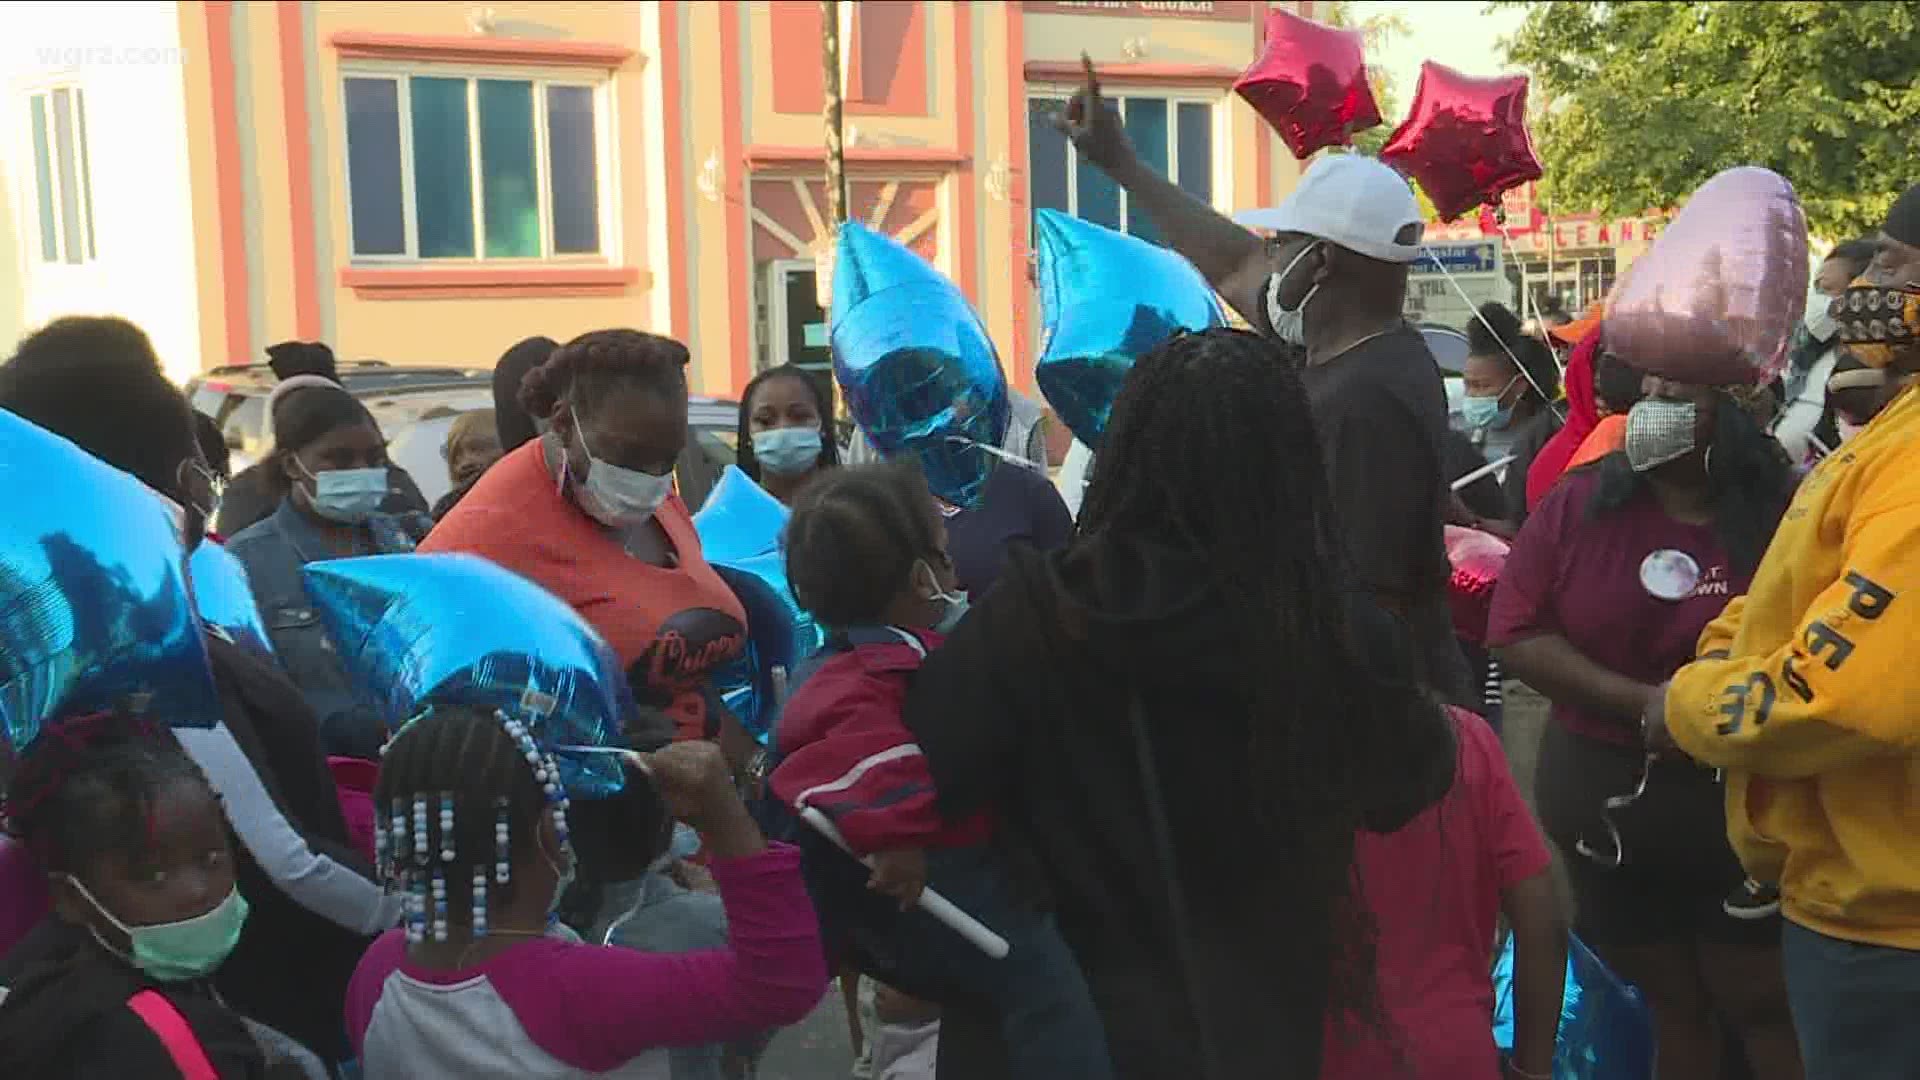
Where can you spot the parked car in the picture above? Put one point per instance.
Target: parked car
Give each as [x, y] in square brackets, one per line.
[236, 397]
[1449, 348]
[416, 440]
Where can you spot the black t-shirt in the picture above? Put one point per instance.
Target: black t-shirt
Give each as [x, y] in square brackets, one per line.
[1019, 504]
[1381, 412]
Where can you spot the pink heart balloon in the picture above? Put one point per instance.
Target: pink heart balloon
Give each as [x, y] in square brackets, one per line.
[1716, 298]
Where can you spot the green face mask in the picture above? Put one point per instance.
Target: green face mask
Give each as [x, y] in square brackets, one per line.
[178, 951]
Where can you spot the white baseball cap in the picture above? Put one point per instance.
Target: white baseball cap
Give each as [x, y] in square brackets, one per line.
[1352, 201]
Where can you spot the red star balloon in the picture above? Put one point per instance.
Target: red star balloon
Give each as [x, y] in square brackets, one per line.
[1465, 139]
[1310, 84]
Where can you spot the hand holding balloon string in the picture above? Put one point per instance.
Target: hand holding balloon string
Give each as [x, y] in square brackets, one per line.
[697, 785]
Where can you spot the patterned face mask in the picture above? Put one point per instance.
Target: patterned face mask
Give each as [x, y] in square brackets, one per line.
[1878, 322]
[1659, 431]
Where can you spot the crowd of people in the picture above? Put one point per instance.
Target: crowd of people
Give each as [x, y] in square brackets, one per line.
[1200, 744]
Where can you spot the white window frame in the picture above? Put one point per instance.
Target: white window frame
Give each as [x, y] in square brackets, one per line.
[83, 183]
[1220, 160]
[606, 164]
[777, 273]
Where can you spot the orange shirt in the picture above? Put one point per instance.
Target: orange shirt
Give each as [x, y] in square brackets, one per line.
[1608, 435]
[672, 627]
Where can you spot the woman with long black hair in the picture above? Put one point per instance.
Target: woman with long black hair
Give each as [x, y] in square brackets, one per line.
[786, 434]
[1178, 734]
[1602, 599]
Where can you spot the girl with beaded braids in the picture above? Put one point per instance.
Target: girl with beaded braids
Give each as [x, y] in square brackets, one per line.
[480, 981]
[1178, 732]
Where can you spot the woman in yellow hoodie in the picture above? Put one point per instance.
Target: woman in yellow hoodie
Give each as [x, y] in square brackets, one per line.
[1807, 692]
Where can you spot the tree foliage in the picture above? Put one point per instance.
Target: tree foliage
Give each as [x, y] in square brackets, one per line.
[1377, 29]
[1648, 100]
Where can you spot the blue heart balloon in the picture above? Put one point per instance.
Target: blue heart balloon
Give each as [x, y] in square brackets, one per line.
[1605, 1030]
[94, 606]
[1106, 300]
[224, 597]
[417, 630]
[740, 529]
[918, 369]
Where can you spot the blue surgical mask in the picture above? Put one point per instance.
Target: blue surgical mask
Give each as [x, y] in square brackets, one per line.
[787, 451]
[618, 497]
[1482, 413]
[178, 951]
[348, 496]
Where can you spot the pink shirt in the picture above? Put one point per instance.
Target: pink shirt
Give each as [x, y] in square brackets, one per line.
[1434, 888]
[549, 1007]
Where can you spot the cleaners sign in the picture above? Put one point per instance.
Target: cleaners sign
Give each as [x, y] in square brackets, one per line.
[1474, 266]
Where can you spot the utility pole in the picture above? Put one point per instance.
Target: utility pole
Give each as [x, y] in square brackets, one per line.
[836, 165]
[836, 151]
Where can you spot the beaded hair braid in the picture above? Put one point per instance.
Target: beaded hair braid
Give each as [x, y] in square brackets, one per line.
[455, 781]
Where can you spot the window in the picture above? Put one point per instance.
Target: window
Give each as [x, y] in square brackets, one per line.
[1173, 135]
[474, 167]
[62, 186]
[1596, 280]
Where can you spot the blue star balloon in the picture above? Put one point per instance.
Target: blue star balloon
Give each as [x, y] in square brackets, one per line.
[94, 606]
[1107, 299]
[1605, 1030]
[918, 369]
[740, 529]
[417, 630]
[224, 597]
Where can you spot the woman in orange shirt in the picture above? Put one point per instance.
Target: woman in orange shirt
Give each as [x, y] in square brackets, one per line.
[588, 511]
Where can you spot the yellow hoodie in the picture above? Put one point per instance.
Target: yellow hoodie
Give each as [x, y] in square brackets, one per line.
[1808, 694]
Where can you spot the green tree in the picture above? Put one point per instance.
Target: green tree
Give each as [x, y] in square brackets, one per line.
[1377, 29]
[1648, 100]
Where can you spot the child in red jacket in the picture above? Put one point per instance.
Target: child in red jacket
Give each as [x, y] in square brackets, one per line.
[866, 555]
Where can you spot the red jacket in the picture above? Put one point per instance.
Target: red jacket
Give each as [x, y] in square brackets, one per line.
[846, 752]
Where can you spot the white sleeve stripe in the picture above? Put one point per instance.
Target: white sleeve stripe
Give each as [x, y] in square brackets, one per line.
[313, 880]
[860, 768]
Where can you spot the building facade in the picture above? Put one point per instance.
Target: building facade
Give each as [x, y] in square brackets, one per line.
[430, 182]
[1568, 261]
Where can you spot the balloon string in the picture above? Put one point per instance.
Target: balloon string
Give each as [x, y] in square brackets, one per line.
[1528, 305]
[1504, 347]
[1024, 463]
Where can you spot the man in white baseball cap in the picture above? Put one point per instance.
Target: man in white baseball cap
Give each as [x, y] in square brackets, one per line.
[1330, 279]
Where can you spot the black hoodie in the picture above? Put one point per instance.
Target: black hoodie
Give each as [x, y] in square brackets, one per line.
[1025, 711]
[66, 1014]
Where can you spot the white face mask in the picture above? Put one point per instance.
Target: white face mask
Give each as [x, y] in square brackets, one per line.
[1290, 326]
[348, 496]
[617, 497]
[1847, 428]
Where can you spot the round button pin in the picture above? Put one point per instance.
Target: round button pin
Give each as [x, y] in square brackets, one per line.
[1669, 575]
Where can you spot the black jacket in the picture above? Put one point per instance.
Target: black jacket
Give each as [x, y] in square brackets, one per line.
[66, 1015]
[291, 968]
[1025, 712]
